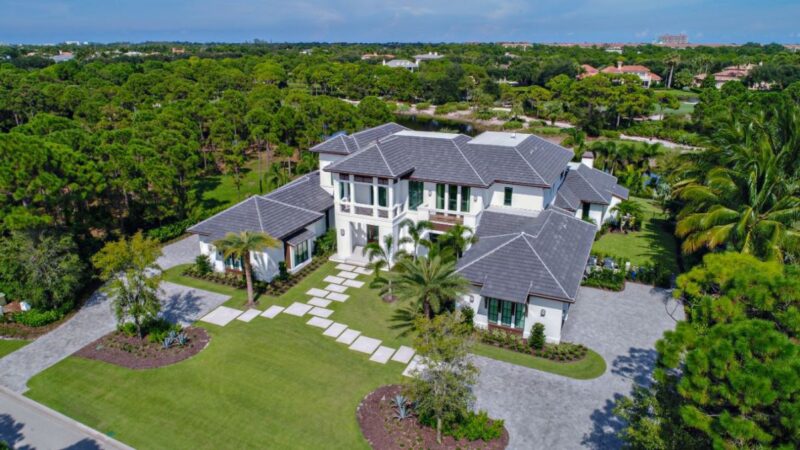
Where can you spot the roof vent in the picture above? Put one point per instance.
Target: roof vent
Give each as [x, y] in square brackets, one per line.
[514, 135]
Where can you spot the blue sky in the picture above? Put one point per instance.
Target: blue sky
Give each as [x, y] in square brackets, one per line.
[49, 21]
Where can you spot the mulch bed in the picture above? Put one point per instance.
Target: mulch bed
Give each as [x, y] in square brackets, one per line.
[134, 353]
[375, 416]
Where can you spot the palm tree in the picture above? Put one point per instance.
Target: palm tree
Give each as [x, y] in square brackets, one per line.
[276, 176]
[672, 60]
[430, 283]
[630, 213]
[415, 231]
[381, 257]
[241, 246]
[458, 238]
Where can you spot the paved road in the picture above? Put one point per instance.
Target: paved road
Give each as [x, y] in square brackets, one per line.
[546, 411]
[96, 318]
[25, 424]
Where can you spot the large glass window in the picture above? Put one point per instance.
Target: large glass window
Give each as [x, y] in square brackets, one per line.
[234, 263]
[464, 198]
[416, 190]
[519, 315]
[452, 197]
[440, 188]
[492, 307]
[344, 190]
[506, 313]
[300, 253]
[382, 196]
[585, 212]
[508, 193]
[507, 308]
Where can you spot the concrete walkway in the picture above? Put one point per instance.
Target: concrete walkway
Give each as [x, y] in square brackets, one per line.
[25, 424]
[96, 318]
[548, 411]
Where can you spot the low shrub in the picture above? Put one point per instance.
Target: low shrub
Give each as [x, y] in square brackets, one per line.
[478, 426]
[202, 264]
[423, 106]
[513, 125]
[467, 317]
[325, 244]
[536, 338]
[613, 280]
[564, 352]
[37, 318]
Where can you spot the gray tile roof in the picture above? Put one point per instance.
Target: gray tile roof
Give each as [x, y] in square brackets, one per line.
[588, 185]
[518, 255]
[439, 157]
[280, 213]
[298, 238]
[345, 145]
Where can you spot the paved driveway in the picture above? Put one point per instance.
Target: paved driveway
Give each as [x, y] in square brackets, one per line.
[181, 304]
[546, 411]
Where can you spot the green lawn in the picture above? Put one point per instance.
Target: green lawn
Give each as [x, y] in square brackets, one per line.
[682, 110]
[653, 244]
[592, 366]
[220, 190]
[9, 345]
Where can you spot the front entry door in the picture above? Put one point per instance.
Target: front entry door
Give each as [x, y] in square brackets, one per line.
[372, 233]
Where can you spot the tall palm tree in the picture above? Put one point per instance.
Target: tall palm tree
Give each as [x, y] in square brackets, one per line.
[672, 60]
[458, 238]
[415, 231]
[241, 246]
[430, 283]
[382, 257]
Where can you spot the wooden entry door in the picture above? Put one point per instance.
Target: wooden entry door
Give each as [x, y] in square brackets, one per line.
[372, 233]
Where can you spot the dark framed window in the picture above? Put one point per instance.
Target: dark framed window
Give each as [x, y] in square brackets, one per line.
[519, 315]
[234, 263]
[440, 188]
[344, 190]
[492, 306]
[508, 193]
[300, 253]
[507, 313]
[465, 198]
[585, 212]
[382, 196]
[416, 191]
[452, 200]
[362, 179]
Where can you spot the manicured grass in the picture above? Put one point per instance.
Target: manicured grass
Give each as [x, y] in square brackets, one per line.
[218, 190]
[682, 110]
[265, 384]
[653, 244]
[592, 366]
[9, 345]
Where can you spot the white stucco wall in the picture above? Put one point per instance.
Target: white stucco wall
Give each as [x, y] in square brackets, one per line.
[552, 319]
[325, 178]
[265, 264]
[522, 197]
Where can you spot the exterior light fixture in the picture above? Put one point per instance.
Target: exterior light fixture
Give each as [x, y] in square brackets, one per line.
[341, 232]
[542, 312]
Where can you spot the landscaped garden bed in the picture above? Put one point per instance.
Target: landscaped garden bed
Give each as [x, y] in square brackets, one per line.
[378, 418]
[563, 352]
[126, 350]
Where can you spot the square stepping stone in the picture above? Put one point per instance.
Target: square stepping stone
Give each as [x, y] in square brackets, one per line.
[320, 312]
[272, 311]
[337, 297]
[363, 271]
[298, 309]
[348, 275]
[317, 292]
[382, 354]
[335, 330]
[345, 267]
[348, 337]
[321, 302]
[221, 316]
[403, 354]
[249, 315]
[365, 344]
[319, 322]
[333, 279]
[353, 283]
[414, 367]
[334, 288]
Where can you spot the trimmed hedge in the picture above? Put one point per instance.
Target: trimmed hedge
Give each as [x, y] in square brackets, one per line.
[38, 318]
[613, 280]
[563, 352]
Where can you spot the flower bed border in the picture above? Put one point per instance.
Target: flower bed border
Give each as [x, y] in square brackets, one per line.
[531, 351]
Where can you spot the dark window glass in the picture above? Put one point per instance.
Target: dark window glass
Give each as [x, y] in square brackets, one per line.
[452, 200]
[519, 316]
[465, 198]
[506, 318]
[382, 196]
[416, 190]
[440, 196]
[585, 214]
[301, 253]
[493, 310]
[507, 194]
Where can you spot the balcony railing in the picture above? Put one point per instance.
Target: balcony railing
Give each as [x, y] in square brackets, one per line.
[344, 208]
[444, 221]
[384, 213]
[361, 210]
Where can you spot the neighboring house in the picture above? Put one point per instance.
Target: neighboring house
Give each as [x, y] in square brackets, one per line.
[519, 192]
[296, 214]
[403, 63]
[63, 56]
[730, 73]
[587, 71]
[648, 78]
[430, 56]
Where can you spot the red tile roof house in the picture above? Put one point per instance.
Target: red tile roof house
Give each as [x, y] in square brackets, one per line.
[730, 73]
[587, 71]
[648, 78]
[519, 192]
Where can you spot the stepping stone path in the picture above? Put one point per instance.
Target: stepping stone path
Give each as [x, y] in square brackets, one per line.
[334, 288]
[272, 311]
[382, 354]
[335, 330]
[348, 337]
[319, 322]
[348, 275]
[413, 367]
[317, 292]
[221, 316]
[353, 283]
[337, 297]
[403, 354]
[363, 271]
[321, 302]
[365, 344]
[249, 315]
[298, 309]
[333, 279]
[320, 312]
[345, 267]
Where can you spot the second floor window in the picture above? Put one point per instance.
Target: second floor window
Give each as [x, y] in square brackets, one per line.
[440, 190]
[452, 201]
[382, 196]
[508, 193]
[344, 190]
[465, 198]
[416, 189]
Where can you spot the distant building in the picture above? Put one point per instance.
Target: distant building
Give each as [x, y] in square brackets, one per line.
[62, 56]
[522, 45]
[375, 55]
[430, 56]
[671, 40]
[588, 71]
[648, 78]
[403, 63]
[178, 51]
[730, 73]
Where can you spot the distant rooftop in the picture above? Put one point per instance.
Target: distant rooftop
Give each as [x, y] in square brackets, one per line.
[501, 138]
[427, 134]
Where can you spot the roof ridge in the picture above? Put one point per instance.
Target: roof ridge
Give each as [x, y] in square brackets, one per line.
[289, 205]
[380, 152]
[351, 155]
[260, 222]
[547, 268]
[469, 163]
[529, 164]
[490, 252]
[589, 182]
[344, 141]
